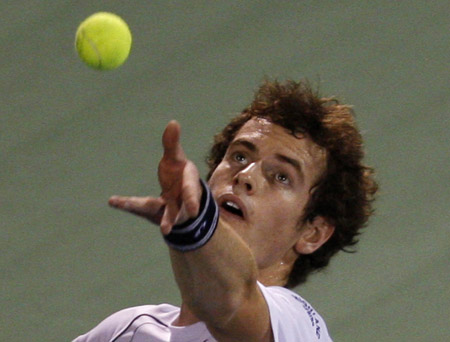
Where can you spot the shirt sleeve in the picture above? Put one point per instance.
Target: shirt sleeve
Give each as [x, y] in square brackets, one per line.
[293, 318]
[107, 329]
[116, 327]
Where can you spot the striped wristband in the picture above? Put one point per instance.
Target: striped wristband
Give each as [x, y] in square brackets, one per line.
[196, 232]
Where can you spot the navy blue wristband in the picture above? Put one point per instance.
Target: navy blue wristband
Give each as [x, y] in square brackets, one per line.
[196, 232]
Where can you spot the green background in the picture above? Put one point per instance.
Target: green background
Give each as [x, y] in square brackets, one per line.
[70, 137]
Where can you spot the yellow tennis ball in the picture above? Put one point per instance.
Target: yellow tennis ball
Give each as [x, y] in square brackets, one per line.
[103, 41]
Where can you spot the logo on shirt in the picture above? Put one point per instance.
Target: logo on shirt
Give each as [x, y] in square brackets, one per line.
[311, 314]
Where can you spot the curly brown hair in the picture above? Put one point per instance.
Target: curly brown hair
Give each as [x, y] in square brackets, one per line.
[345, 192]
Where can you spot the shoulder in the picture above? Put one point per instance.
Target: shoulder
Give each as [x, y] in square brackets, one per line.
[122, 325]
[292, 317]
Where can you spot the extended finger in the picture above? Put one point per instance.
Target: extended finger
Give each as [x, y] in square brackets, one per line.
[169, 217]
[173, 152]
[149, 207]
[192, 190]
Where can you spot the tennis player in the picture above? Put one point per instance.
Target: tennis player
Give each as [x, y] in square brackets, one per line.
[287, 189]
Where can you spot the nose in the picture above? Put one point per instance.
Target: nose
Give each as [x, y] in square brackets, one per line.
[246, 180]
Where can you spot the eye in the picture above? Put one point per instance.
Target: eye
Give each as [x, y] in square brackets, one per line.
[239, 157]
[282, 178]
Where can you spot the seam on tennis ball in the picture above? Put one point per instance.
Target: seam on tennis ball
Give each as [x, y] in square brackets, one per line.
[94, 47]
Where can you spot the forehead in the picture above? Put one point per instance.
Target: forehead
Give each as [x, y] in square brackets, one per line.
[273, 138]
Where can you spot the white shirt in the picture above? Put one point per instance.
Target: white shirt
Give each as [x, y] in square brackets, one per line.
[292, 318]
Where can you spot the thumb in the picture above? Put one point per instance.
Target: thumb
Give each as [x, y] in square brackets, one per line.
[150, 208]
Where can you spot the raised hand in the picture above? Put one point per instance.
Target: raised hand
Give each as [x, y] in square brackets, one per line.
[179, 180]
[180, 187]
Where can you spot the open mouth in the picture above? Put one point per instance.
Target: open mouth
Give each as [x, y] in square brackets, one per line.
[232, 208]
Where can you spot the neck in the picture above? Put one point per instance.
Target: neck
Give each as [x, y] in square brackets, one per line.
[275, 275]
[186, 317]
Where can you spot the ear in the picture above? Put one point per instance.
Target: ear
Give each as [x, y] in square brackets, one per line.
[314, 235]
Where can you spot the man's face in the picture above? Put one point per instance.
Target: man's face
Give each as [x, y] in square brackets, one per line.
[262, 186]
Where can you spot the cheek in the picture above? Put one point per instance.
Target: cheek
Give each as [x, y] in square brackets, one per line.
[220, 174]
[282, 214]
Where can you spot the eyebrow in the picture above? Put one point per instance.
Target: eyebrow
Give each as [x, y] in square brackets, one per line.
[249, 145]
[252, 147]
[293, 162]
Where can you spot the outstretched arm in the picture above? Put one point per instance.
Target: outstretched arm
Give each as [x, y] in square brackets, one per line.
[217, 281]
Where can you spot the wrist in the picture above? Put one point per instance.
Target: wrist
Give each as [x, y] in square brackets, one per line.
[196, 232]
